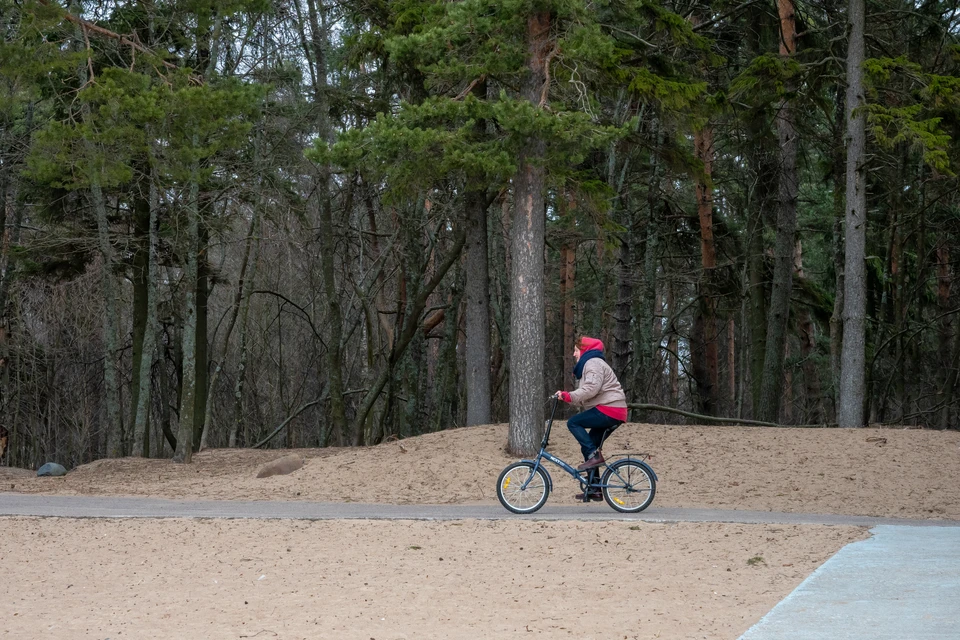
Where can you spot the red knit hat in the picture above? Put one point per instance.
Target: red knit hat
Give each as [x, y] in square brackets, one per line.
[590, 344]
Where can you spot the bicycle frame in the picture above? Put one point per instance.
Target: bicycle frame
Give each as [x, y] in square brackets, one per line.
[579, 476]
[546, 455]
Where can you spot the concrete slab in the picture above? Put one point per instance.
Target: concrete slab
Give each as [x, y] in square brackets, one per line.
[903, 583]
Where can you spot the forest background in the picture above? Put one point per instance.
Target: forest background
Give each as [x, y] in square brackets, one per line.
[272, 223]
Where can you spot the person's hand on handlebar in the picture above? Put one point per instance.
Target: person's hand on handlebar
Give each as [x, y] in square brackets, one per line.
[563, 395]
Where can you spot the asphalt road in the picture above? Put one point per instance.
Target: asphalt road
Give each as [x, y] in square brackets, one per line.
[16, 504]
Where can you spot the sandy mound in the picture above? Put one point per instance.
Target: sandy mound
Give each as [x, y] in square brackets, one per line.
[465, 579]
[874, 472]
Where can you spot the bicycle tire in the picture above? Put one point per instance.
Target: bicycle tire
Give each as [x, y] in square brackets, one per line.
[518, 500]
[628, 486]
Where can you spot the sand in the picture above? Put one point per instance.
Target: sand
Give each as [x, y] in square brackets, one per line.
[468, 579]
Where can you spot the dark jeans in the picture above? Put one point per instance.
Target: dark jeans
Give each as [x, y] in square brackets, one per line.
[597, 423]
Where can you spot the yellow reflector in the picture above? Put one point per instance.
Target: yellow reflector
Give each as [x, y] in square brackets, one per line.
[506, 483]
[618, 501]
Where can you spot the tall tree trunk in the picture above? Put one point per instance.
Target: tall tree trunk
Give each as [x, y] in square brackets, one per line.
[761, 188]
[114, 428]
[673, 346]
[202, 360]
[240, 434]
[836, 319]
[240, 297]
[731, 366]
[950, 384]
[771, 386]
[408, 329]
[622, 315]
[647, 344]
[188, 394]
[10, 234]
[527, 315]
[568, 271]
[853, 353]
[708, 382]
[115, 437]
[141, 414]
[477, 296]
[813, 409]
[944, 285]
[334, 319]
[948, 356]
[140, 284]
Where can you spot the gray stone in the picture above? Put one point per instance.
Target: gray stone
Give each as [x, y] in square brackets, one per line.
[51, 469]
[280, 466]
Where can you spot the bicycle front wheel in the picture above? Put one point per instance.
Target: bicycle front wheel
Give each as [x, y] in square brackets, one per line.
[522, 488]
[628, 486]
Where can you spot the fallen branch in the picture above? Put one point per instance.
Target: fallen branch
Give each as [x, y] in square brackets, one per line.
[703, 418]
[293, 415]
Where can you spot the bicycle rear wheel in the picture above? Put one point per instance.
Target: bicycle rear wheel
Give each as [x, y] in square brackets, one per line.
[519, 498]
[628, 486]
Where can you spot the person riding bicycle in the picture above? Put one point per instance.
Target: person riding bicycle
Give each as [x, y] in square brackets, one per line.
[601, 396]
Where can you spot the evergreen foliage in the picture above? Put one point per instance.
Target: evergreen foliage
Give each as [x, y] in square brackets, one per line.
[331, 156]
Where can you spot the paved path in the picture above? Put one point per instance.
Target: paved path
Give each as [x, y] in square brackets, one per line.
[901, 584]
[16, 504]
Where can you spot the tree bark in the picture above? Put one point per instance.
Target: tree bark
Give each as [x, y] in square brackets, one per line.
[853, 352]
[334, 320]
[708, 382]
[477, 297]
[10, 234]
[406, 333]
[244, 285]
[771, 386]
[188, 394]
[114, 432]
[141, 414]
[836, 319]
[673, 345]
[527, 317]
[202, 359]
[568, 271]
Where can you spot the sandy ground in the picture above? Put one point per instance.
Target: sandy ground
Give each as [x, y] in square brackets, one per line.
[379, 579]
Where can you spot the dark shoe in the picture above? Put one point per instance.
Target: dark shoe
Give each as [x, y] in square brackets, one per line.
[595, 461]
[594, 495]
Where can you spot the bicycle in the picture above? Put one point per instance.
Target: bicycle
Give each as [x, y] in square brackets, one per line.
[628, 484]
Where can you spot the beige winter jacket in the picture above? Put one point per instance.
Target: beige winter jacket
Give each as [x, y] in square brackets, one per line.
[598, 386]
